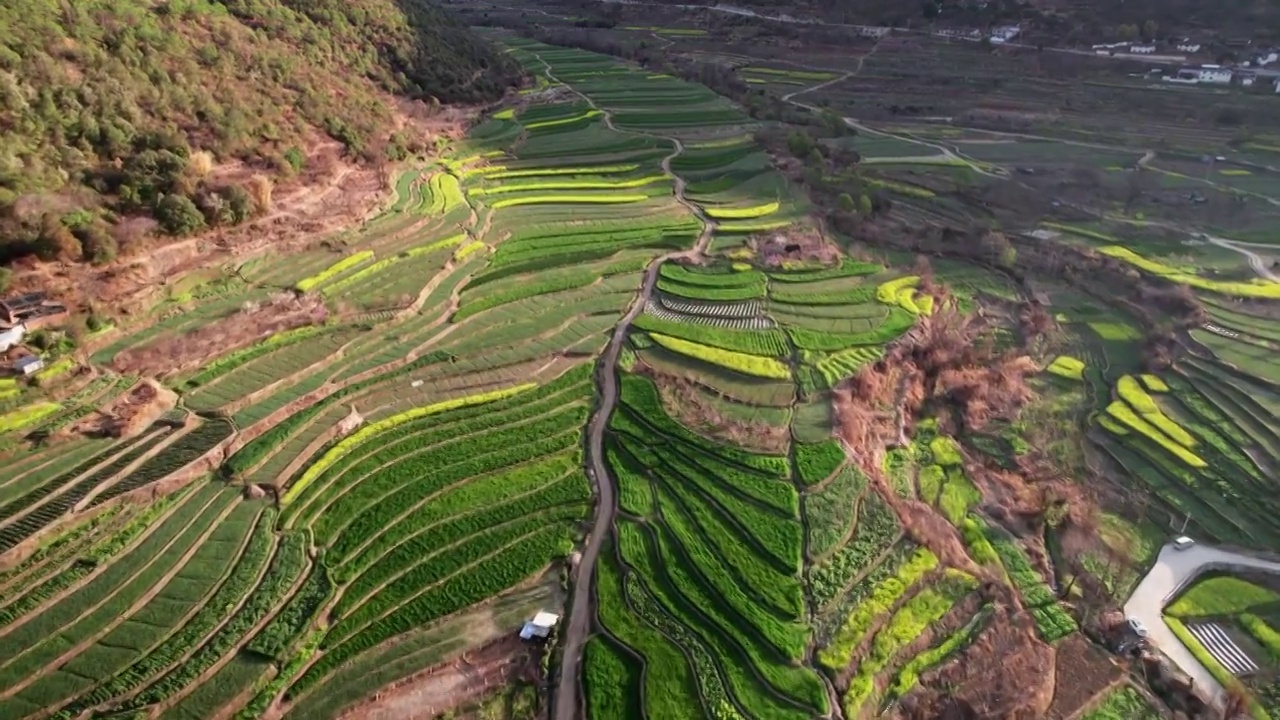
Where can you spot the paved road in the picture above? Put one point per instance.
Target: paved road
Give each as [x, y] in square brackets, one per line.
[566, 698]
[1174, 570]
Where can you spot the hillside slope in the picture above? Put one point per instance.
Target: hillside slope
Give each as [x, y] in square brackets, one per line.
[121, 108]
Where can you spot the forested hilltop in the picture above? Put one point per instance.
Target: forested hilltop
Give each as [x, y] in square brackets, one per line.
[116, 109]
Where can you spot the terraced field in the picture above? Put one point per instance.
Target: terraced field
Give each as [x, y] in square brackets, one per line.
[570, 368]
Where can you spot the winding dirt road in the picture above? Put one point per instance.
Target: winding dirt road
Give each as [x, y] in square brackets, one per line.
[566, 699]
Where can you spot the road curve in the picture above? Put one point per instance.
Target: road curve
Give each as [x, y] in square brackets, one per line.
[566, 699]
[1256, 261]
[1173, 571]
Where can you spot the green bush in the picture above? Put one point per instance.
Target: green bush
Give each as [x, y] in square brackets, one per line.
[1261, 631]
[116, 98]
[178, 215]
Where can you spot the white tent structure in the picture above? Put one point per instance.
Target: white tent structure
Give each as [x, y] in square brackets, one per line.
[540, 626]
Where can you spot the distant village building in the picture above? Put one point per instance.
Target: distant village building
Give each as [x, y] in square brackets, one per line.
[1278, 86]
[540, 626]
[34, 310]
[1185, 76]
[1142, 49]
[1216, 74]
[1212, 74]
[958, 34]
[1005, 33]
[28, 365]
[1189, 47]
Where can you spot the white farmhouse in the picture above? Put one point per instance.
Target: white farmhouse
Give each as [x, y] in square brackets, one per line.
[1216, 74]
[1189, 47]
[28, 365]
[12, 336]
[1185, 76]
[1142, 49]
[540, 626]
[1004, 33]
[1278, 86]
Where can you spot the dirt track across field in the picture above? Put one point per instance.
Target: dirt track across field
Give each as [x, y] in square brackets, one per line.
[565, 700]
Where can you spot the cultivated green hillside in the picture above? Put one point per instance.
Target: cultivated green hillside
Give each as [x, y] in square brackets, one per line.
[106, 102]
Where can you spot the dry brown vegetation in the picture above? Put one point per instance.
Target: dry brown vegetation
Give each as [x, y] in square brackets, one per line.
[252, 323]
[131, 413]
[436, 691]
[946, 366]
[1006, 673]
[689, 405]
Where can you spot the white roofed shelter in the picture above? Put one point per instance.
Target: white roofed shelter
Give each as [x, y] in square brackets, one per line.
[540, 626]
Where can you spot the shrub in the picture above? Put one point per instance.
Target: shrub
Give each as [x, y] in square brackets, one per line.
[178, 215]
[293, 155]
[945, 451]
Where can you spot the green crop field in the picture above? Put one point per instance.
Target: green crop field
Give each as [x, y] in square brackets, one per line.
[771, 452]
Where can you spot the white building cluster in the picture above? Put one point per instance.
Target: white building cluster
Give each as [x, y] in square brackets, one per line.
[1207, 74]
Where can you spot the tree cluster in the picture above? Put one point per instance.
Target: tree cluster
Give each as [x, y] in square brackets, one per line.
[120, 110]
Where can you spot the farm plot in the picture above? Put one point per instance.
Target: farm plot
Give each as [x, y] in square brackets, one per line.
[497, 485]
[1223, 648]
[519, 251]
[43, 636]
[258, 373]
[721, 523]
[173, 602]
[46, 504]
[1188, 447]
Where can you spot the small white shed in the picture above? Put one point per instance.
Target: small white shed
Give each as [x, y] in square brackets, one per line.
[28, 365]
[12, 336]
[540, 626]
